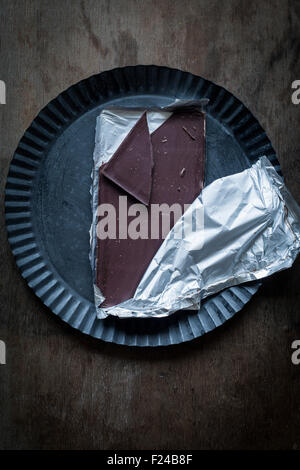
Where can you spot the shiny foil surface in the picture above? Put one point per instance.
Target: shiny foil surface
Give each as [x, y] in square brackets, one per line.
[248, 227]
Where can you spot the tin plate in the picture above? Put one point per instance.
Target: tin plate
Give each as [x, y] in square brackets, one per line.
[48, 212]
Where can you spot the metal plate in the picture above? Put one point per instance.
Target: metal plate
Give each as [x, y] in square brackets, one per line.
[48, 212]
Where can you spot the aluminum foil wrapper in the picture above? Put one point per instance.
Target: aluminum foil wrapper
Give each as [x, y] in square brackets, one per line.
[249, 229]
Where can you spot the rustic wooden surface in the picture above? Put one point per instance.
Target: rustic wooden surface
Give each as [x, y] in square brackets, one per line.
[234, 388]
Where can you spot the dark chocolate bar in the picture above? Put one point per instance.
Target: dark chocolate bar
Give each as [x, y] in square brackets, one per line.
[166, 167]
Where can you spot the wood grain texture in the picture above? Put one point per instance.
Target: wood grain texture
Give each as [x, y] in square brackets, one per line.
[233, 388]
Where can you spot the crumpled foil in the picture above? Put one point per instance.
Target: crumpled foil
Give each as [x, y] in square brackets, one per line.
[250, 228]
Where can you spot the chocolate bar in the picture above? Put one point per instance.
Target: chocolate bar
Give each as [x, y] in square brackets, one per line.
[165, 167]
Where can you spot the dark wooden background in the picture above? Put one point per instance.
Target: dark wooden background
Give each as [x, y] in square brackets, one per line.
[234, 388]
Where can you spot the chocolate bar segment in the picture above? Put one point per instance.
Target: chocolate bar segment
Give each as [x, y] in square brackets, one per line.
[179, 159]
[178, 153]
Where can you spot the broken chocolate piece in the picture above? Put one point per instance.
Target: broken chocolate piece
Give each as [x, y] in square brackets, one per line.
[121, 262]
[131, 166]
